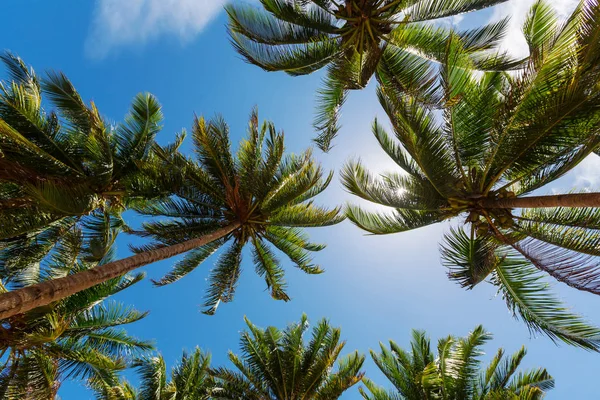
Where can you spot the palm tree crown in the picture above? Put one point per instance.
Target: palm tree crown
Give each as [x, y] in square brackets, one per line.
[77, 338]
[276, 365]
[190, 380]
[499, 138]
[356, 39]
[67, 167]
[264, 196]
[454, 374]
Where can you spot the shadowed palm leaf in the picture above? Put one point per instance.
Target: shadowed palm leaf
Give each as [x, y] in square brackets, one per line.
[500, 138]
[277, 365]
[356, 39]
[455, 372]
[76, 338]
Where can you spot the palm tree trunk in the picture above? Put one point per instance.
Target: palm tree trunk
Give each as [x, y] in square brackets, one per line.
[41, 294]
[559, 200]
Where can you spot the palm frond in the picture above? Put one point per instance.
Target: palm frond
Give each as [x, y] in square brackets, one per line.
[190, 261]
[528, 296]
[454, 372]
[289, 244]
[539, 29]
[265, 28]
[391, 190]
[65, 97]
[469, 259]
[425, 10]
[302, 14]
[224, 278]
[297, 59]
[306, 215]
[153, 374]
[135, 136]
[268, 267]
[331, 97]
[399, 220]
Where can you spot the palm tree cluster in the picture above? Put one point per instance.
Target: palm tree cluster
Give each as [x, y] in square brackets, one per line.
[277, 365]
[476, 134]
[261, 195]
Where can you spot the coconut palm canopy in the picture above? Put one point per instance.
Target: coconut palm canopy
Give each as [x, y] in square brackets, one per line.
[65, 167]
[264, 195]
[80, 338]
[500, 138]
[278, 365]
[394, 40]
[454, 372]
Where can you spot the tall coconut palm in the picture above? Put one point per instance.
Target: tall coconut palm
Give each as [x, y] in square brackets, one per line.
[67, 161]
[76, 338]
[500, 138]
[455, 372]
[276, 365]
[257, 197]
[190, 380]
[395, 40]
[67, 166]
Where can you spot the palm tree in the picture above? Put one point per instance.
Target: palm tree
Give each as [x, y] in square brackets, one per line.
[256, 197]
[454, 374]
[356, 39]
[76, 338]
[67, 162]
[190, 380]
[500, 138]
[67, 167]
[276, 365]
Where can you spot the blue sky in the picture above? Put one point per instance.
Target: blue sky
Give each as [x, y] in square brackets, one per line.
[374, 288]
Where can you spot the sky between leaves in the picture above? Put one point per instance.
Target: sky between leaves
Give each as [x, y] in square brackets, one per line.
[375, 288]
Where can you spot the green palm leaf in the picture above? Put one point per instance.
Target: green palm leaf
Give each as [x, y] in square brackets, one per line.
[528, 297]
[394, 41]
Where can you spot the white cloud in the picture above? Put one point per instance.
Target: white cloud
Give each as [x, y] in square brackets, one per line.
[514, 42]
[586, 174]
[128, 23]
[584, 177]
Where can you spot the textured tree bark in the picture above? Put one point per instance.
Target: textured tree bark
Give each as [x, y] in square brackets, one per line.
[41, 294]
[559, 200]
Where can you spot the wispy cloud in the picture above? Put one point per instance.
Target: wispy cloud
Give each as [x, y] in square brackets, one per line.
[514, 42]
[127, 23]
[586, 174]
